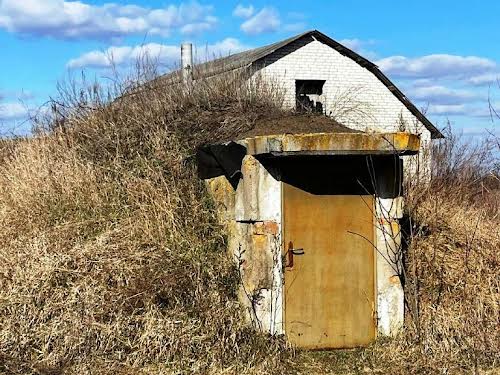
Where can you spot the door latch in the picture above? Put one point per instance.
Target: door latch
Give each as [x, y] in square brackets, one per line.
[291, 252]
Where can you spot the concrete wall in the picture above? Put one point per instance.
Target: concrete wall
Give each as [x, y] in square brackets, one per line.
[390, 294]
[252, 217]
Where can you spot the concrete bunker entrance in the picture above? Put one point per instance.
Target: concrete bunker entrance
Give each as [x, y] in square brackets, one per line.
[333, 202]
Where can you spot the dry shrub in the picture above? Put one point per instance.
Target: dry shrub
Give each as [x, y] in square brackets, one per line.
[453, 264]
[112, 258]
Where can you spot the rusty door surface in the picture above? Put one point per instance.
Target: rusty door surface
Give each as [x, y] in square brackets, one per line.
[329, 289]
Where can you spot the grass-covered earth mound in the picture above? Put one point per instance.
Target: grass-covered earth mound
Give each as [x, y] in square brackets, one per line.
[112, 260]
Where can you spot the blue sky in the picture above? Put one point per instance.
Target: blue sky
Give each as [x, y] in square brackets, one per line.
[443, 54]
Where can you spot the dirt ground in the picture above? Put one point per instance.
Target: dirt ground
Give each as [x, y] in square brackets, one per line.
[296, 124]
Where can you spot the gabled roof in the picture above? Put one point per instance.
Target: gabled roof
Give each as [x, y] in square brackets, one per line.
[257, 55]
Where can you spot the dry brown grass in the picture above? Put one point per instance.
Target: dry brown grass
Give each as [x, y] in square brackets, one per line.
[453, 263]
[111, 255]
[113, 262]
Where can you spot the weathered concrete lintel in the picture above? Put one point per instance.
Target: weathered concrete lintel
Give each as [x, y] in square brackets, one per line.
[331, 152]
[333, 144]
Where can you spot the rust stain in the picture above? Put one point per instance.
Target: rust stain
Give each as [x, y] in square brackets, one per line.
[393, 225]
[271, 227]
[266, 227]
[258, 261]
[401, 140]
[394, 279]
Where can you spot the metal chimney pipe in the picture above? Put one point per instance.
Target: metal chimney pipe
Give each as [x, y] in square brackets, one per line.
[187, 61]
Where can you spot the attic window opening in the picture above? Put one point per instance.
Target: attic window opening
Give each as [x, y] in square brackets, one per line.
[309, 95]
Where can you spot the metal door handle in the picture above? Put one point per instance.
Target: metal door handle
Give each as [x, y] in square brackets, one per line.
[291, 252]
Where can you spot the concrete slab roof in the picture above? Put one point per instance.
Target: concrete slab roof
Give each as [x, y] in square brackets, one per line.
[333, 144]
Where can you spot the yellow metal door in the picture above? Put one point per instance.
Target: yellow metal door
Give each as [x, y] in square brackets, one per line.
[329, 289]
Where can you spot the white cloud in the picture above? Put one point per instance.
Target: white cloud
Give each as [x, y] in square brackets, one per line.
[360, 46]
[75, 19]
[422, 82]
[12, 111]
[22, 95]
[468, 110]
[165, 54]
[447, 110]
[442, 95]
[124, 54]
[484, 132]
[243, 11]
[220, 49]
[196, 28]
[266, 20]
[354, 44]
[484, 79]
[295, 27]
[435, 66]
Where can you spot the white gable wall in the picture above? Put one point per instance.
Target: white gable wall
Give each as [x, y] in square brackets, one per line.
[351, 93]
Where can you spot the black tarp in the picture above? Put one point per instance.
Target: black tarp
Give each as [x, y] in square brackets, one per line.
[221, 160]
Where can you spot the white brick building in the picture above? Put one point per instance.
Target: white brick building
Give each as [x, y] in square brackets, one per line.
[353, 89]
